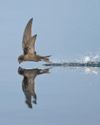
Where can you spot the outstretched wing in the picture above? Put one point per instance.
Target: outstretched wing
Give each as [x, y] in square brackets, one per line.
[27, 33]
[31, 48]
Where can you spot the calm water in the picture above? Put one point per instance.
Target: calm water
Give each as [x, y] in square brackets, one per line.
[67, 30]
[64, 96]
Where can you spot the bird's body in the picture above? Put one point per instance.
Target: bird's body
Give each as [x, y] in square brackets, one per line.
[33, 57]
[28, 45]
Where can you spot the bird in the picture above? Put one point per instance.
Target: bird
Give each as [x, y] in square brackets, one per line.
[28, 46]
[28, 83]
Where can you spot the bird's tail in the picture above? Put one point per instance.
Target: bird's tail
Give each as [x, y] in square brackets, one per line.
[46, 59]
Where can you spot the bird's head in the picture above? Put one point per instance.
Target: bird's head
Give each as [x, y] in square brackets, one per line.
[20, 59]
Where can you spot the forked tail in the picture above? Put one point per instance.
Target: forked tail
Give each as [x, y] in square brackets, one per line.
[46, 59]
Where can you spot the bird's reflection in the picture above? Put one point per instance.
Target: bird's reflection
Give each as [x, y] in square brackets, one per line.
[28, 83]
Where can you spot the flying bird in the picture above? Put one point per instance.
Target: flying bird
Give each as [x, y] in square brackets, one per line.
[28, 46]
[28, 83]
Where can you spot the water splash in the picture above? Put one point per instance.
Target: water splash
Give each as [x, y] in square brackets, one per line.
[95, 58]
[89, 64]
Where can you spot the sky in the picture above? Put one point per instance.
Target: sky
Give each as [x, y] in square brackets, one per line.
[66, 29]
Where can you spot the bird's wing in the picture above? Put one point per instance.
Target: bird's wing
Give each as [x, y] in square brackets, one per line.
[30, 46]
[27, 34]
[31, 49]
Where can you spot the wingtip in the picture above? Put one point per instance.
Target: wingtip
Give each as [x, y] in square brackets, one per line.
[35, 35]
[31, 19]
